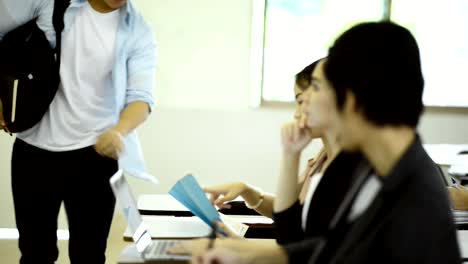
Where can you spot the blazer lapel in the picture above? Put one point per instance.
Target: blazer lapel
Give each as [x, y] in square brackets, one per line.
[359, 228]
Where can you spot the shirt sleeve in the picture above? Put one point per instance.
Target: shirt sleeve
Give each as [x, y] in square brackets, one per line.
[288, 224]
[141, 67]
[44, 13]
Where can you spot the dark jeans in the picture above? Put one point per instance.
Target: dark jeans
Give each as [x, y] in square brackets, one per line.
[41, 181]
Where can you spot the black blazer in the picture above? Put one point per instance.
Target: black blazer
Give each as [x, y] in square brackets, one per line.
[409, 221]
[334, 186]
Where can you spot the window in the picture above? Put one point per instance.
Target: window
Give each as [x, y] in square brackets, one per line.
[299, 32]
[440, 29]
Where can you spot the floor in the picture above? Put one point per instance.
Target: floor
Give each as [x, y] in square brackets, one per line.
[10, 254]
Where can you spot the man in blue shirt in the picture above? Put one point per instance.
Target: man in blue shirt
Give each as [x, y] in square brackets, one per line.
[107, 72]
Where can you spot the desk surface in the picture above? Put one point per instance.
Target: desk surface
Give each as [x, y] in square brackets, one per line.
[444, 154]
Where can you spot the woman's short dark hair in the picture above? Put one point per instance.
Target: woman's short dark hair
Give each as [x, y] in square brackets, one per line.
[304, 77]
[379, 63]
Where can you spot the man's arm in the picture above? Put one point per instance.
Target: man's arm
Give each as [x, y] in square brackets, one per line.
[141, 67]
[110, 144]
[131, 117]
[141, 70]
[45, 12]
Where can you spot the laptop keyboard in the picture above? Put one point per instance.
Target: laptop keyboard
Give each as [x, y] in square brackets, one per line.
[160, 247]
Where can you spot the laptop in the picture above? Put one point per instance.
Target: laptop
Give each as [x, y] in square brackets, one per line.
[150, 250]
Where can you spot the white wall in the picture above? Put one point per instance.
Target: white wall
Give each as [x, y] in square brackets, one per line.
[202, 123]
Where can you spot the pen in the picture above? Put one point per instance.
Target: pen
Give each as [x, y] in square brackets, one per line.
[212, 238]
[454, 183]
[8, 131]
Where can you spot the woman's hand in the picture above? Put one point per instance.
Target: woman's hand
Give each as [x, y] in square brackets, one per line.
[220, 194]
[295, 137]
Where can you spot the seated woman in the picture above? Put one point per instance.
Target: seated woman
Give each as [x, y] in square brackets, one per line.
[301, 213]
[263, 203]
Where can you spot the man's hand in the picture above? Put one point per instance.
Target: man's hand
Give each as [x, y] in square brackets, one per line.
[190, 247]
[458, 197]
[110, 144]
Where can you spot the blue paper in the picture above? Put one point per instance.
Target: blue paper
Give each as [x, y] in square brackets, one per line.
[189, 193]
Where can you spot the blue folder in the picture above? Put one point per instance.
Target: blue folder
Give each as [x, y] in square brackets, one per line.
[189, 193]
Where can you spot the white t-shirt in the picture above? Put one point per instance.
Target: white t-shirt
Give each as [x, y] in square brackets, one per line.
[363, 200]
[84, 105]
[314, 181]
[365, 197]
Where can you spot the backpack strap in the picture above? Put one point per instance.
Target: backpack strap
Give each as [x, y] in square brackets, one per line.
[60, 6]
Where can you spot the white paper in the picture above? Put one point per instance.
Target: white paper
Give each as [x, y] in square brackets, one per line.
[131, 160]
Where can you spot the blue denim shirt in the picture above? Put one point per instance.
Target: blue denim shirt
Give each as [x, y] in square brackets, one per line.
[135, 64]
[133, 75]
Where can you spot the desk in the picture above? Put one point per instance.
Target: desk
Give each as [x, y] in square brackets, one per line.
[166, 205]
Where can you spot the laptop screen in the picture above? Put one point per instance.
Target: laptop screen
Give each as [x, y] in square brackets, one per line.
[127, 204]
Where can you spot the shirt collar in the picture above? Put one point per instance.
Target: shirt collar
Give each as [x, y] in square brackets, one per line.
[405, 167]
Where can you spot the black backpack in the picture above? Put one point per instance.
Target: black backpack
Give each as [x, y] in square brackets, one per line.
[29, 71]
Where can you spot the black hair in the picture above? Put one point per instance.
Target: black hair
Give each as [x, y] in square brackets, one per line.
[304, 77]
[379, 63]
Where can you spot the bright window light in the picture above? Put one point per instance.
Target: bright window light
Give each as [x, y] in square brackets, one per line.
[299, 32]
[440, 29]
